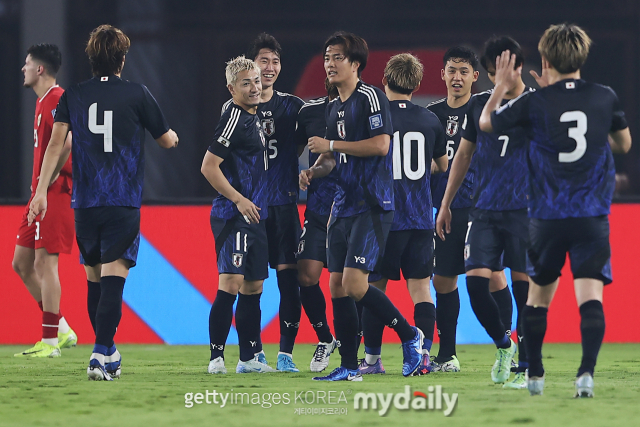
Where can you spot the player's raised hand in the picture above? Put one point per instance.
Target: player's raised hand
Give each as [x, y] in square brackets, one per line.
[443, 222]
[305, 178]
[543, 80]
[507, 74]
[38, 206]
[318, 145]
[248, 210]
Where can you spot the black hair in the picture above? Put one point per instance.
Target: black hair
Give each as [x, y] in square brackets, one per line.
[495, 46]
[355, 48]
[463, 53]
[48, 55]
[264, 41]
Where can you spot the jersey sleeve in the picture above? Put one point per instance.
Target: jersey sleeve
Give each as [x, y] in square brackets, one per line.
[513, 113]
[301, 137]
[619, 121]
[469, 131]
[62, 110]
[378, 112]
[440, 147]
[152, 118]
[221, 145]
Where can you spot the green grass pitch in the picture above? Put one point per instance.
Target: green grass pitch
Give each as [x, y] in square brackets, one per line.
[155, 379]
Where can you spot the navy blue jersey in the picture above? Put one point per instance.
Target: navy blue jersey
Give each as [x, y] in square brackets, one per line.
[451, 120]
[571, 170]
[278, 117]
[311, 122]
[500, 161]
[239, 140]
[108, 116]
[418, 138]
[363, 182]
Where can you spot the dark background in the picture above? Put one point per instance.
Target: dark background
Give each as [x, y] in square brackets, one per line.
[179, 49]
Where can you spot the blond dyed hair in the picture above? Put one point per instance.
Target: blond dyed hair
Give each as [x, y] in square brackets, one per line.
[236, 65]
[565, 46]
[403, 73]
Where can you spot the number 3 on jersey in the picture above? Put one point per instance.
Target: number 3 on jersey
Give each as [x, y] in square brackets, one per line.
[105, 129]
[577, 133]
[402, 158]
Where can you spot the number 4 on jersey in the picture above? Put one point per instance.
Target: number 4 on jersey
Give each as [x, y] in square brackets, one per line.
[105, 129]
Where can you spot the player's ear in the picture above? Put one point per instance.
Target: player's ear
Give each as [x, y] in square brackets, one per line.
[231, 89]
[385, 82]
[476, 74]
[442, 74]
[416, 89]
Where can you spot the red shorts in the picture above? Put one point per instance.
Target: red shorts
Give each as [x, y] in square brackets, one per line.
[56, 231]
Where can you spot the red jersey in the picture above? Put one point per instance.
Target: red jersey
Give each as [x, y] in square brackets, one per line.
[42, 126]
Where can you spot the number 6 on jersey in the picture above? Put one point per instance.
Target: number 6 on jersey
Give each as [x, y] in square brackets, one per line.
[105, 129]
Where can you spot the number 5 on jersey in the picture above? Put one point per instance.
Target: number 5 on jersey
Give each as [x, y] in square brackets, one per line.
[105, 129]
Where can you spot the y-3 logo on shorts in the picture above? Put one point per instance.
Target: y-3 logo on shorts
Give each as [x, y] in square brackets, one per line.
[291, 324]
[360, 259]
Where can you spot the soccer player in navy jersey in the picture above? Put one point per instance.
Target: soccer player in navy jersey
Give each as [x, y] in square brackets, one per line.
[236, 166]
[498, 225]
[418, 139]
[574, 127]
[460, 65]
[278, 112]
[357, 144]
[107, 116]
[312, 251]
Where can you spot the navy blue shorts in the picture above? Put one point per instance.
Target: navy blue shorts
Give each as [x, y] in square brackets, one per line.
[357, 241]
[283, 234]
[241, 248]
[449, 254]
[586, 240]
[497, 239]
[108, 233]
[313, 240]
[410, 251]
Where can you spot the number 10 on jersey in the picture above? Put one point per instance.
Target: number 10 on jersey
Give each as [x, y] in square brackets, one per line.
[402, 157]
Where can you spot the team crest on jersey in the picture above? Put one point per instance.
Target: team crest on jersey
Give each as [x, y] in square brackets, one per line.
[452, 127]
[301, 247]
[39, 119]
[467, 249]
[342, 132]
[268, 126]
[53, 112]
[237, 260]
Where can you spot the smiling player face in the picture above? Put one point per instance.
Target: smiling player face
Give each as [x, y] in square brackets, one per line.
[338, 67]
[246, 90]
[459, 77]
[270, 67]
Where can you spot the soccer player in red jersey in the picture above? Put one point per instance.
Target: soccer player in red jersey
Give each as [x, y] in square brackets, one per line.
[37, 248]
